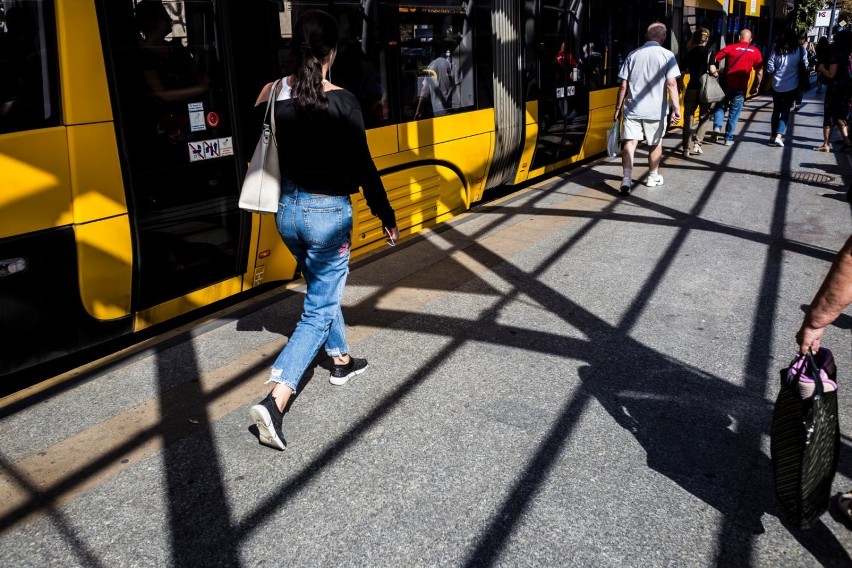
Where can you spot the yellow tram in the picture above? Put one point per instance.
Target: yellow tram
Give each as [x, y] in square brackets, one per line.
[124, 135]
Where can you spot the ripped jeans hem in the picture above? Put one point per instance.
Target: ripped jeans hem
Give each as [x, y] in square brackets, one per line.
[275, 377]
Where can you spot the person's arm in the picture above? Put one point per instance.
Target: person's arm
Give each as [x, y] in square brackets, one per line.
[833, 297]
[671, 86]
[770, 64]
[829, 71]
[619, 100]
[367, 174]
[758, 77]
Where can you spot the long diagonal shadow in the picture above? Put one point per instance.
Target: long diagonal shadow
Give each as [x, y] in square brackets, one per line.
[494, 538]
[199, 511]
[84, 555]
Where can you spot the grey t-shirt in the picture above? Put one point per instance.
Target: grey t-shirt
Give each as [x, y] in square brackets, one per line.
[646, 70]
[439, 85]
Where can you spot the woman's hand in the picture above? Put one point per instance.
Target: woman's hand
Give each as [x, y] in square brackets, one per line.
[392, 234]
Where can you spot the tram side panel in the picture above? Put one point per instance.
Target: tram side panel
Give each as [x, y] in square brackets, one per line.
[64, 238]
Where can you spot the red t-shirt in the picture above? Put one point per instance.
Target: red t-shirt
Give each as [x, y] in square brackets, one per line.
[740, 59]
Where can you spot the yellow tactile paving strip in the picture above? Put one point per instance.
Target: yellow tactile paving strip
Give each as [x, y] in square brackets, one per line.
[59, 473]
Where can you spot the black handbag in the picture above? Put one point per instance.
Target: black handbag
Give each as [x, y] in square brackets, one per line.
[804, 74]
[805, 444]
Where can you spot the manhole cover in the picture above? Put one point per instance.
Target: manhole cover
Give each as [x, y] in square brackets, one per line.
[810, 177]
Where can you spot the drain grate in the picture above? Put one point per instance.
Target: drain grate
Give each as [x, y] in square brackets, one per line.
[809, 177]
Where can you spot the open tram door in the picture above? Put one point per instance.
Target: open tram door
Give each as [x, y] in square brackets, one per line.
[558, 81]
[168, 62]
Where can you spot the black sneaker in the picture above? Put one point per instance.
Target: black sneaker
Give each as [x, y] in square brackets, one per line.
[342, 373]
[268, 419]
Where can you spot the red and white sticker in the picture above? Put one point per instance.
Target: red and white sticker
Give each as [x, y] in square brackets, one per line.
[210, 149]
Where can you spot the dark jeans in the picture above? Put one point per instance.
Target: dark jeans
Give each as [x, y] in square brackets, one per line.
[781, 104]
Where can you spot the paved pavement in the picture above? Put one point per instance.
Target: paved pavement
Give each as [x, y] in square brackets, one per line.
[562, 377]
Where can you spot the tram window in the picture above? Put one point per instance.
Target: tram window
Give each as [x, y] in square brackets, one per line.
[28, 79]
[358, 66]
[436, 58]
[613, 30]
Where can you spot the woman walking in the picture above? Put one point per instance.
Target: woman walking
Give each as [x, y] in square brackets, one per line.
[324, 157]
[698, 61]
[784, 64]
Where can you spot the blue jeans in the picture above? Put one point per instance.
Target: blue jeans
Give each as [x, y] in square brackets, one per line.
[735, 98]
[318, 231]
[781, 104]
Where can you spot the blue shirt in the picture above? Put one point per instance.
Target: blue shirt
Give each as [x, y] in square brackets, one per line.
[785, 69]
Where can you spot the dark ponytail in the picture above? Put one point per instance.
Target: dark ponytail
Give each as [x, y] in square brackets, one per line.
[314, 37]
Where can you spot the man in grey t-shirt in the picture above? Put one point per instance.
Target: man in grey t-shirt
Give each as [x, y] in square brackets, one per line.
[647, 75]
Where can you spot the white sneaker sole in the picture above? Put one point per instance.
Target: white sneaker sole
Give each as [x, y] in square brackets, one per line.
[265, 428]
[340, 381]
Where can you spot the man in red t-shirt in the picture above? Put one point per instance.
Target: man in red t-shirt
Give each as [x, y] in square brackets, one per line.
[740, 58]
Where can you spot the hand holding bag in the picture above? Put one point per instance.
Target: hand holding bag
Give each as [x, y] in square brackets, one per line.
[710, 91]
[805, 439]
[613, 140]
[261, 188]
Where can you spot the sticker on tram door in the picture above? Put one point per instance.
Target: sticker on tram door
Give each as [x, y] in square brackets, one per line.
[210, 149]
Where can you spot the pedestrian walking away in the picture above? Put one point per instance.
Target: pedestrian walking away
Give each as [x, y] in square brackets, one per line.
[324, 159]
[740, 59]
[784, 64]
[647, 75]
[836, 77]
[697, 62]
[833, 296]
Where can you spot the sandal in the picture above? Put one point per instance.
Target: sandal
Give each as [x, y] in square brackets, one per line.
[822, 149]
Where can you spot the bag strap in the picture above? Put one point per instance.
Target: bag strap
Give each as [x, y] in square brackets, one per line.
[270, 108]
[740, 56]
[814, 373]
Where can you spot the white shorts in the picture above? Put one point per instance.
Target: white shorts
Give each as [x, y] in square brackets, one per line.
[650, 130]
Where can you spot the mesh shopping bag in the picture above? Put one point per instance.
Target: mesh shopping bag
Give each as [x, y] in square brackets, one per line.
[805, 440]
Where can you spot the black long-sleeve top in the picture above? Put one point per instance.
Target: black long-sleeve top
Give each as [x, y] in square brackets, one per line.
[697, 62]
[326, 152]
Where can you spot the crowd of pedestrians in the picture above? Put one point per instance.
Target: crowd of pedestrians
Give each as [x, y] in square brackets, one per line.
[648, 80]
[651, 78]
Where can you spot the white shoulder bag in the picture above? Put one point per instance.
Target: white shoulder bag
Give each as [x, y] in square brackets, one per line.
[262, 186]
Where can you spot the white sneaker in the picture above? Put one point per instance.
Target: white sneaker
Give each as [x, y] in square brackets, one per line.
[696, 149]
[778, 142]
[654, 180]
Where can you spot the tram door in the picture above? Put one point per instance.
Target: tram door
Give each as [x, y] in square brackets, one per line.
[175, 120]
[563, 100]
